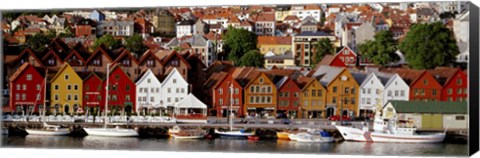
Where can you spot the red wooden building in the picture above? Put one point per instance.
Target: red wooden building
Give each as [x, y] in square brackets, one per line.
[288, 97]
[94, 92]
[347, 56]
[423, 85]
[122, 91]
[331, 60]
[27, 86]
[222, 95]
[454, 82]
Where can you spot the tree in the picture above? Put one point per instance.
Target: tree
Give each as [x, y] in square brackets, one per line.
[382, 49]
[67, 33]
[39, 41]
[427, 46]
[135, 44]
[322, 48]
[252, 58]
[237, 42]
[108, 41]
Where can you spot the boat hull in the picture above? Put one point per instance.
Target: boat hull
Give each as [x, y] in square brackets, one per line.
[353, 134]
[59, 132]
[282, 135]
[187, 137]
[111, 132]
[234, 134]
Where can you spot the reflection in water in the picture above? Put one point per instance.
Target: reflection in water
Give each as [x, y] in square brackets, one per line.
[233, 145]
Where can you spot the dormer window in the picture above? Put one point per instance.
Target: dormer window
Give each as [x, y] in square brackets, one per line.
[126, 62]
[174, 63]
[96, 62]
[51, 61]
[345, 52]
[150, 63]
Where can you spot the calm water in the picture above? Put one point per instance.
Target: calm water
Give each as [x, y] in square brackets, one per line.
[230, 145]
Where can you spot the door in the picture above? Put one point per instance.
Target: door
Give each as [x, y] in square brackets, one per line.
[432, 121]
[330, 111]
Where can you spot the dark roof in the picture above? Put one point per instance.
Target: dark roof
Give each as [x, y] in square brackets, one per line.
[430, 107]
[311, 33]
[186, 22]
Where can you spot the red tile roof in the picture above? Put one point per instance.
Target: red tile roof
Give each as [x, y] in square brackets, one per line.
[274, 40]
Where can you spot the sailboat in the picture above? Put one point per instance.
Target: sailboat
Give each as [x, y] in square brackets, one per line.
[235, 133]
[47, 129]
[110, 132]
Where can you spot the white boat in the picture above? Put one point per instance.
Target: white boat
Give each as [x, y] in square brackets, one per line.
[50, 130]
[307, 137]
[110, 132]
[387, 131]
[179, 133]
[232, 132]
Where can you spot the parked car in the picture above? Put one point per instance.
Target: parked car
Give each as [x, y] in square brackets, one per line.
[337, 118]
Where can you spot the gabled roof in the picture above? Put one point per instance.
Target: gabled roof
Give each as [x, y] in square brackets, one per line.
[60, 71]
[175, 54]
[170, 75]
[410, 76]
[144, 75]
[54, 54]
[328, 73]
[359, 77]
[343, 49]
[20, 71]
[29, 52]
[75, 52]
[443, 75]
[146, 55]
[99, 75]
[126, 53]
[218, 66]
[435, 107]
[103, 50]
[370, 77]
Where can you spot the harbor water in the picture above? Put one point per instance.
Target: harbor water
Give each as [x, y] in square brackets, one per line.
[232, 145]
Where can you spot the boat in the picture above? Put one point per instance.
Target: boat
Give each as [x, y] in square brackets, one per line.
[110, 132]
[179, 133]
[323, 137]
[233, 132]
[51, 130]
[292, 135]
[283, 135]
[387, 131]
[253, 137]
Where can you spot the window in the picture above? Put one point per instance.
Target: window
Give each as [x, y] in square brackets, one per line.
[257, 99]
[280, 94]
[334, 100]
[363, 100]
[169, 90]
[75, 97]
[56, 97]
[174, 80]
[402, 93]
[459, 91]
[368, 91]
[363, 90]
[295, 94]
[18, 87]
[17, 96]
[29, 77]
[352, 100]
[368, 101]
[450, 91]
[287, 94]
[434, 92]
[347, 90]
[459, 117]
[127, 87]
[75, 87]
[269, 99]
[220, 91]
[459, 81]
[305, 94]
[261, 80]
[69, 97]
[114, 97]
[69, 87]
[127, 98]
[257, 89]
[313, 93]
[252, 89]
[236, 101]
[220, 101]
[377, 91]
[389, 93]
[157, 90]
[24, 87]
[236, 90]
[251, 99]
[425, 81]
[38, 87]
[305, 103]
[152, 99]
[396, 93]
[334, 89]
[269, 89]
[66, 77]
[99, 97]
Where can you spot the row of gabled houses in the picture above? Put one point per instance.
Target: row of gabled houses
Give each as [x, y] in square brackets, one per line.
[66, 91]
[325, 91]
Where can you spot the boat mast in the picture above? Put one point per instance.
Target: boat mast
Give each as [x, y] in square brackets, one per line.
[44, 95]
[106, 97]
[231, 102]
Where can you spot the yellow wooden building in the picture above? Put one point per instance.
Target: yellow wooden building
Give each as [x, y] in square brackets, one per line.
[66, 91]
[260, 96]
[312, 98]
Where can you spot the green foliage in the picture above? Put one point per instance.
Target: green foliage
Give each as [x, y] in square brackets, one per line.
[67, 34]
[108, 41]
[39, 41]
[382, 49]
[135, 44]
[322, 47]
[427, 46]
[238, 42]
[252, 58]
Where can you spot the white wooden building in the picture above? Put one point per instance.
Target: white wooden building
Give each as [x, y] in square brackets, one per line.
[174, 88]
[148, 91]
